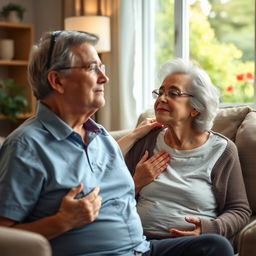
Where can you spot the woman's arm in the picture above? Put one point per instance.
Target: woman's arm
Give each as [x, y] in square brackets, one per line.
[228, 186]
[140, 131]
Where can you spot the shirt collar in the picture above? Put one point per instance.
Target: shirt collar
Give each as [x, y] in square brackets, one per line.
[58, 128]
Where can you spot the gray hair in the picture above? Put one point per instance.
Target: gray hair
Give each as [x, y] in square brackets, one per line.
[52, 52]
[205, 95]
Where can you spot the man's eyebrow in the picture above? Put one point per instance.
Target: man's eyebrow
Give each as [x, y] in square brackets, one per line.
[92, 62]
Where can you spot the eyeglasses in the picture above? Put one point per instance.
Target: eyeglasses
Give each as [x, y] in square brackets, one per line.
[55, 34]
[172, 93]
[89, 67]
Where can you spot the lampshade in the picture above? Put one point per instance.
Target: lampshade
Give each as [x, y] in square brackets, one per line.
[99, 25]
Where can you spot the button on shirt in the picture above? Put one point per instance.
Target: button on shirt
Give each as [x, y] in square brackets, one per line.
[44, 158]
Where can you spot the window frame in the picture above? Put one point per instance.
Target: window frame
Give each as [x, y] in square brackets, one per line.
[181, 46]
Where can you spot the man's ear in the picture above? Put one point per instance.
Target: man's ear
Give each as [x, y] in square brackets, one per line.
[54, 81]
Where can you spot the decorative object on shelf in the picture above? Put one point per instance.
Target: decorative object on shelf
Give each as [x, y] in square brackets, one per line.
[12, 101]
[13, 12]
[6, 49]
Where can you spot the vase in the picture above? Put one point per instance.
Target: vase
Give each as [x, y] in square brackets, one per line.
[6, 49]
[13, 17]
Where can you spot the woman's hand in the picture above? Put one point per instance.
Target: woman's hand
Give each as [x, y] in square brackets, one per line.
[148, 169]
[126, 142]
[195, 232]
[145, 127]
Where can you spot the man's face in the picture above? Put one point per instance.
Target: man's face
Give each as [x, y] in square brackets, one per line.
[84, 87]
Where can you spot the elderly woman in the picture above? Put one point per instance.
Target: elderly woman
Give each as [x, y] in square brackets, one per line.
[188, 178]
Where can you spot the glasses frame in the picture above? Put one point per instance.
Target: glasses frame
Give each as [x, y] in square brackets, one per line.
[101, 67]
[54, 35]
[169, 94]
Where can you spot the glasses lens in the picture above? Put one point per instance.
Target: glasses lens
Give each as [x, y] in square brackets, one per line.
[173, 93]
[154, 94]
[102, 68]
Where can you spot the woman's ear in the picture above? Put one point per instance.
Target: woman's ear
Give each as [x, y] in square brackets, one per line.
[194, 112]
[54, 81]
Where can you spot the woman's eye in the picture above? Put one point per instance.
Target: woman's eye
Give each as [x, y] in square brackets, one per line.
[173, 93]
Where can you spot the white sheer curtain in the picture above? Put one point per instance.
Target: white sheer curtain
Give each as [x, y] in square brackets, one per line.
[136, 58]
[131, 64]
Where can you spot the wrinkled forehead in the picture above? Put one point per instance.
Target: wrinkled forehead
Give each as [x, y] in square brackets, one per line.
[179, 80]
[85, 53]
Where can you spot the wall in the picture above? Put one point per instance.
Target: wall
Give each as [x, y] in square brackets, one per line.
[45, 15]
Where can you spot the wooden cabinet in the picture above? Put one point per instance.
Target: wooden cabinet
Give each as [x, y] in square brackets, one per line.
[23, 36]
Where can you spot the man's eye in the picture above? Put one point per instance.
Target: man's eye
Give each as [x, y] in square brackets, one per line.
[160, 93]
[93, 67]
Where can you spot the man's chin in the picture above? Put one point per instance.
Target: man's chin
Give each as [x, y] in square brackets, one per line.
[100, 103]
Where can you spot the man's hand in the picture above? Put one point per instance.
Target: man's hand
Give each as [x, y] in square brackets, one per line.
[148, 169]
[195, 232]
[77, 212]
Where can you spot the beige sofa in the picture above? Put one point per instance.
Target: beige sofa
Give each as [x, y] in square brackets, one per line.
[237, 123]
[14, 242]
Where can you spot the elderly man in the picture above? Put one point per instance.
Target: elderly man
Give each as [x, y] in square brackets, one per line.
[63, 176]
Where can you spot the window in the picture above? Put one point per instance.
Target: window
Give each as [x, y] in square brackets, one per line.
[219, 34]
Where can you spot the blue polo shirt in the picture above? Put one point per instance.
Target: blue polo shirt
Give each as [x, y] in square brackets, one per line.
[44, 158]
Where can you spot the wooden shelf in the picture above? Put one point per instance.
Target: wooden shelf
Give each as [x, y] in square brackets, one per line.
[14, 25]
[16, 69]
[13, 62]
[22, 116]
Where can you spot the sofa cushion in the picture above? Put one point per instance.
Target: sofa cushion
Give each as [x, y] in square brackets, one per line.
[246, 144]
[229, 119]
[149, 113]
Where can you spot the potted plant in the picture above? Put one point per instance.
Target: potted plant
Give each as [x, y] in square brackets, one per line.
[12, 101]
[12, 12]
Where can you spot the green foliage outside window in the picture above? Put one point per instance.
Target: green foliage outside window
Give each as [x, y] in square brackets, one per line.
[221, 57]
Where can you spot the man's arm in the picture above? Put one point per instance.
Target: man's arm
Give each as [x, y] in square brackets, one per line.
[72, 213]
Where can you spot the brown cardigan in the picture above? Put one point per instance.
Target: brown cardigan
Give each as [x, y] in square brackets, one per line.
[228, 187]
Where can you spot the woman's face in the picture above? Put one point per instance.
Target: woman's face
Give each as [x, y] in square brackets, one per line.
[174, 110]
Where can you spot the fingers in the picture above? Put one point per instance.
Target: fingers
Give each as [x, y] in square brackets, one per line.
[155, 124]
[93, 194]
[147, 125]
[159, 159]
[144, 157]
[74, 191]
[196, 231]
[195, 221]
[177, 232]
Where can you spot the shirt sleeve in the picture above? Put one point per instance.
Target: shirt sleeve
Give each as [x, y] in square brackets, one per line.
[21, 180]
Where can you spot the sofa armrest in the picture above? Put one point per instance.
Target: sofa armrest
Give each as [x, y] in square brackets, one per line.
[15, 242]
[120, 133]
[247, 240]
